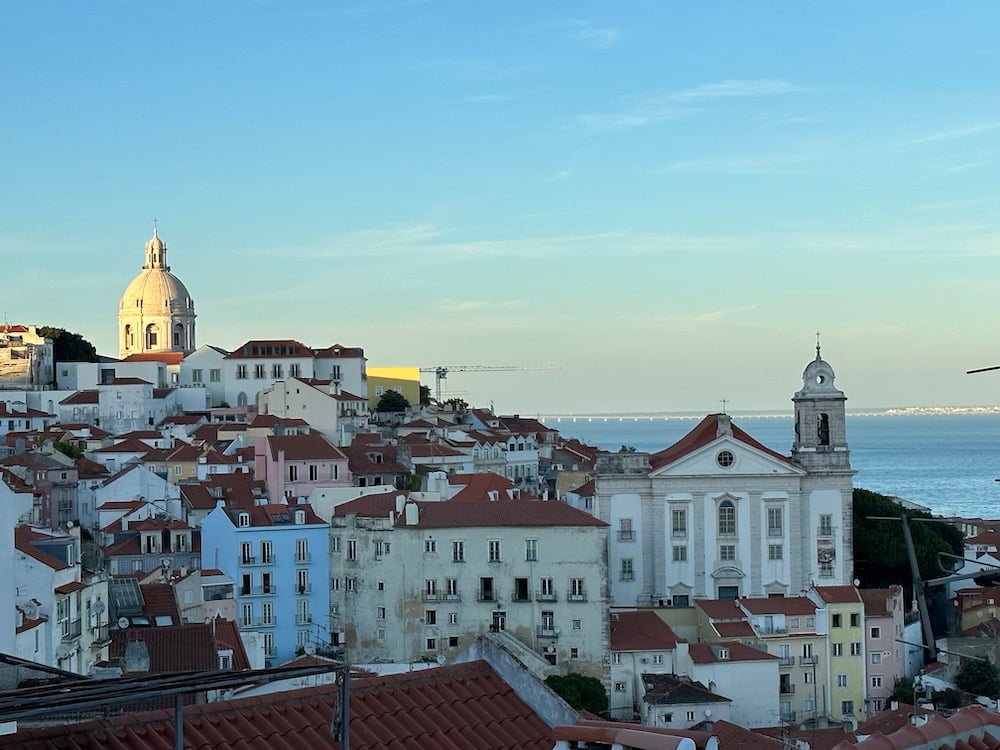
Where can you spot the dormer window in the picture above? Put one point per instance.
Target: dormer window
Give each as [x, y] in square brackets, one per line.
[300, 517]
[243, 520]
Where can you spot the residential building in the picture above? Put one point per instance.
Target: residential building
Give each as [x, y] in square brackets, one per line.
[156, 313]
[121, 405]
[295, 465]
[719, 515]
[404, 380]
[841, 615]
[53, 478]
[885, 618]
[203, 368]
[641, 643]
[418, 580]
[142, 546]
[278, 555]
[26, 358]
[328, 409]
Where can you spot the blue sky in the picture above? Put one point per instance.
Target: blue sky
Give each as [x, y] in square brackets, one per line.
[664, 200]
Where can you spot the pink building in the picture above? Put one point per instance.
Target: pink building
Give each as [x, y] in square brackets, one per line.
[295, 465]
[884, 622]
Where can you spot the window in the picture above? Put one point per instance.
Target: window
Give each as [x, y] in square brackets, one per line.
[774, 552]
[246, 615]
[293, 473]
[451, 589]
[680, 553]
[458, 551]
[625, 531]
[381, 549]
[486, 593]
[246, 553]
[619, 687]
[876, 657]
[241, 372]
[335, 544]
[627, 572]
[351, 584]
[847, 708]
[520, 592]
[259, 371]
[678, 518]
[294, 370]
[838, 649]
[352, 549]
[380, 613]
[842, 680]
[855, 620]
[876, 632]
[453, 618]
[301, 550]
[313, 472]
[380, 634]
[808, 678]
[727, 552]
[837, 621]
[430, 588]
[196, 376]
[577, 624]
[432, 644]
[727, 518]
[775, 525]
[430, 617]
[276, 371]
[302, 582]
[657, 658]
[546, 589]
[430, 546]
[856, 648]
[577, 590]
[494, 550]
[682, 600]
[531, 550]
[215, 375]
[795, 622]
[453, 641]
[725, 459]
[810, 622]
[574, 653]
[380, 585]
[877, 681]
[267, 613]
[690, 715]
[826, 525]
[548, 621]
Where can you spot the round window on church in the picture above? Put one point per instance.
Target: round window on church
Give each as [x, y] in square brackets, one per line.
[725, 459]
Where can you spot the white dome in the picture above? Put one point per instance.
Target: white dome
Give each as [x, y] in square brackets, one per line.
[157, 292]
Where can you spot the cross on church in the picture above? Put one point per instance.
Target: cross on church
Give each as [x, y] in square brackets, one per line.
[724, 401]
[817, 344]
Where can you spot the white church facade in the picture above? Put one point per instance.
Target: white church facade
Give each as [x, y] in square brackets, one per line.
[719, 515]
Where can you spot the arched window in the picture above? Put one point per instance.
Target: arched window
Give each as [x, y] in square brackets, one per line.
[823, 429]
[129, 337]
[241, 399]
[151, 335]
[178, 335]
[727, 518]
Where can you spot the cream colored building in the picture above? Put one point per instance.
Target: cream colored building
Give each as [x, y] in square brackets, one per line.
[26, 358]
[417, 580]
[156, 313]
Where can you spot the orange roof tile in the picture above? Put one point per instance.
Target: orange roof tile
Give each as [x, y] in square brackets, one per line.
[705, 432]
[641, 631]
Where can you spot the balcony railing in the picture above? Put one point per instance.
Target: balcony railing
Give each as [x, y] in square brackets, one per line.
[303, 588]
[546, 596]
[787, 717]
[260, 622]
[525, 597]
[71, 629]
[578, 597]
[786, 661]
[547, 631]
[301, 619]
[431, 596]
[626, 575]
[786, 689]
[303, 557]
[626, 535]
[808, 661]
[486, 596]
[99, 634]
[453, 597]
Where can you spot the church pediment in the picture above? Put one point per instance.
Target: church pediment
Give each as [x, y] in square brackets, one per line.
[727, 456]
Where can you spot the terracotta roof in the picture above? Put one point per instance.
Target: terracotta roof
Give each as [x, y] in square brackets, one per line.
[129, 445]
[434, 450]
[838, 594]
[811, 737]
[466, 706]
[82, 397]
[87, 469]
[780, 605]
[227, 636]
[721, 609]
[877, 600]
[595, 733]
[641, 631]
[711, 653]
[158, 600]
[670, 690]
[360, 459]
[69, 588]
[24, 535]
[274, 514]
[270, 349]
[128, 381]
[589, 489]
[176, 648]
[705, 432]
[311, 447]
[970, 727]
[892, 719]
[343, 352]
[168, 358]
[741, 629]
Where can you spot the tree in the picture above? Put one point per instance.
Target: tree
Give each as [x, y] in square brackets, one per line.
[425, 395]
[69, 347]
[393, 402]
[902, 691]
[880, 557]
[68, 449]
[581, 692]
[978, 677]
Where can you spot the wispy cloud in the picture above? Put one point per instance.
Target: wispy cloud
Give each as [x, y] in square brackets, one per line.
[649, 109]
[566, 172]
[600, 37]
[765, 164]
[955, 134]
[470, 305]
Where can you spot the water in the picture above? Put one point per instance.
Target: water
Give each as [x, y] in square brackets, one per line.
[947, 462]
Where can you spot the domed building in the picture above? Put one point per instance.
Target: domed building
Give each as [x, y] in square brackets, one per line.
[156, 313]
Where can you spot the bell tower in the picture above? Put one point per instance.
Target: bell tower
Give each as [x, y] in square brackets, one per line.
[820, 420]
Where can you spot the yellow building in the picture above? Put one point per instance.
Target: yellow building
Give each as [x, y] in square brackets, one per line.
[404, 380]
[845, 624]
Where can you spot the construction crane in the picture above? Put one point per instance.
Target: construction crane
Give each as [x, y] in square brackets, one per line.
[441, 371]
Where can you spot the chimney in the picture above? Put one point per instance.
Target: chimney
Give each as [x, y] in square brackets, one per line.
[412, 514]
[724, 426]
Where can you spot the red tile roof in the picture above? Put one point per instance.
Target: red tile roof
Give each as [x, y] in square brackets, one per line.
[877, 600]
[838, 594]
[337, 350]
[269, 349]
[461, 707]
[705, 432]
[176, 648]
[601, 734]
[129, 445]
[781, 605]
[711, 653]
[970, 727]
[641, 631]
[589, 489]
[721, 609]
[82, 397]
[274, 514]
[892, 719]
[24, 536]
[741, 629]
[168, 358]
[311, 447]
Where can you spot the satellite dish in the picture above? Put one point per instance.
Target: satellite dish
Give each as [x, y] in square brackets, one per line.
[708, 712]
[70, 524]
[550, 649]
[440, 659]
[99, 607]
[123, 622]
[63, 651]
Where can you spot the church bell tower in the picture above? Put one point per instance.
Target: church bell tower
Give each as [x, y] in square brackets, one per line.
[820, 420]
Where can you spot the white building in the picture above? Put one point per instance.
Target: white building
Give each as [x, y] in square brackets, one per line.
[26, 358]
[420, 580]
[719, 515]
[330, 410]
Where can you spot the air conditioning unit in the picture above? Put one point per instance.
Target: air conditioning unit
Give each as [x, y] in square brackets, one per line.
[644, 660]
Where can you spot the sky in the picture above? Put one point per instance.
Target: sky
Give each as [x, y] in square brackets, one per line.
[661, 202]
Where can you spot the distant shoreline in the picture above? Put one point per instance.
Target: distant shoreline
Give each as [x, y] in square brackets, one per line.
[881, 411]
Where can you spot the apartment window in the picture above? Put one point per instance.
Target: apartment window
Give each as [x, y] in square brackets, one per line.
[430, 546]
[520, 592]
[807, 678]
[619, 687]
[774, 552]
[548, 620]
[682, 600]
[335, 544]
[574, 653]
[313, 472]
[453, 618]
[531, 550]
[380, 613]
[276, 371]
[351, 584]
[246, 553]
[494, 550]
[855, 620]
[795, 622]
[335, 584]
[680, 554]
[837, 620]
[380, 585]
[842, 680]
[432, 644]
[727, 518]
[430, 617]
[577, 624]
[294, 370]
[293, 473]
[625, 530]
[215, 375]
[826, 525]
[302, 581]
[196, 376]
[267, 613]
[301, 550]
[381, 548]
[678, 518]
[259, 371]
[877, 681]
[430, 588]
[876, 657]
[810, 622]
[453, 641]
[246, 615]
[241, 372]
[452, 588]
[847, 708]
[616, 658]
[266, 552]
[627, 571]
[775, 525]
[352, 549]
[856, 648]
[380, 634]
[838, 649]
[458, 551]
[546, 588]
[577, 590]
[657, 658]
[876, 632]
[727, 552]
